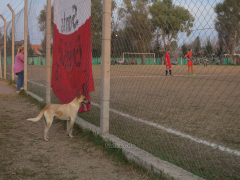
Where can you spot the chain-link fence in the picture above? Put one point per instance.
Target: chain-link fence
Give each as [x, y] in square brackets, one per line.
[190, 118]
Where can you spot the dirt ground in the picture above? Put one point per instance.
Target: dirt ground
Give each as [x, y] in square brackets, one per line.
[24, 154]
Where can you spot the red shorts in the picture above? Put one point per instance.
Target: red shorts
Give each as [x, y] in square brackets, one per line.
[168, 65]
[190, 63]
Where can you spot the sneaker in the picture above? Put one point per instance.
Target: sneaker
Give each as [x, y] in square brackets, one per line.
[18, 92]
[21, 88]
[193, 74]
[190, 74]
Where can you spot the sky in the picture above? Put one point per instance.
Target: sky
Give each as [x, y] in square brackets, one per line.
[17, 5]
[34, 6]
[202, 10]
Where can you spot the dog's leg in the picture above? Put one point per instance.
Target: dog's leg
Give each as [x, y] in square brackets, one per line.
[44, 122]
[45, 125]
[49, 120]
[71, 127]
[68, 126]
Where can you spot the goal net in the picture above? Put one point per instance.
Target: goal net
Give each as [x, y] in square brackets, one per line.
[139, 58]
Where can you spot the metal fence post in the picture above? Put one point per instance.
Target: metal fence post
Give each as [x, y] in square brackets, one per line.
[0, 63]
[48, 53]
[13, 38]
[5, 47]
[25, 43]
[105, 74]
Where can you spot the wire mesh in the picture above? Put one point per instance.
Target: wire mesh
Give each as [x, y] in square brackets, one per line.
[189, 120]
[37, 48]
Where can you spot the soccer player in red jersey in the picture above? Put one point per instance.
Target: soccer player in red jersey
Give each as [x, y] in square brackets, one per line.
[190, 61]
[168, 62]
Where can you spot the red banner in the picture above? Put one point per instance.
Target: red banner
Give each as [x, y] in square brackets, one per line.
[72, 60]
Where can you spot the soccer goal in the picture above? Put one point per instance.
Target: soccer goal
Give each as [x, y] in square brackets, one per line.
[139, 58]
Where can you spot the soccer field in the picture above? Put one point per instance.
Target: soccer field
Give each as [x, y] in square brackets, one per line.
[191, 121]
[205, 105]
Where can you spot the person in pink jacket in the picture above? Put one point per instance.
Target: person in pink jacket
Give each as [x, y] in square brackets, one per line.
[18, 68]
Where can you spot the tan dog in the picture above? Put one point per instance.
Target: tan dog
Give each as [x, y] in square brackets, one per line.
[62, 111]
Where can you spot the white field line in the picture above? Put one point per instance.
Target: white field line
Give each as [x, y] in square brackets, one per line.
[30, 81]
[213, 145]
[37, 83]
[168, 76]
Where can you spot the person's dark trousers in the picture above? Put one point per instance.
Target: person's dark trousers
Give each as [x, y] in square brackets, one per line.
[20, 80]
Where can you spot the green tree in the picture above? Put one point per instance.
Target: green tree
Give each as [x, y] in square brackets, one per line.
[197, 44]
[30, 50]
[158, 46]
[1, 36]
[184, 49]
[96, 25]
[208, 50]
[219, 51]
[170, 19]
[42, 27]
[173, 45]
[121, 43]
[43, 45]
[9, 43]
[42, 24]
[137, 25]
[1, 39]
[227, 24]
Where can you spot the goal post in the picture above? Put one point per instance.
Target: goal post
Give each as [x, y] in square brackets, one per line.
[136, 55]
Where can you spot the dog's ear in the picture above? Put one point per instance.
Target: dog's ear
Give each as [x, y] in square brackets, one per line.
[79, 94]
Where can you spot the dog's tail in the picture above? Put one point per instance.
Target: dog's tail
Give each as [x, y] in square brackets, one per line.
[39, 116]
